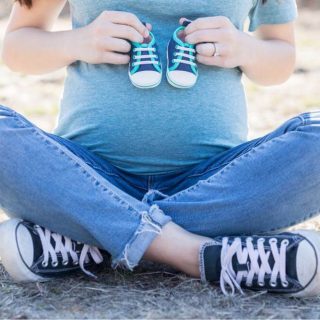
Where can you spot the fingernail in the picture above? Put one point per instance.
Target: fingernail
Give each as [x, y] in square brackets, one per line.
[146, 33]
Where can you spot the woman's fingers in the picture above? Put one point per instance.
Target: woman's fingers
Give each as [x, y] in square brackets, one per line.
[125, 32]
[127, 18]
[115, 58]
[207, 23]
[149, 26]
[206, 35]
[218, 61]
[206, 49]
[211, 49]
[117, 45]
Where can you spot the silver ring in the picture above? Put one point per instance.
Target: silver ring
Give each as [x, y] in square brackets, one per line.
[216, 52]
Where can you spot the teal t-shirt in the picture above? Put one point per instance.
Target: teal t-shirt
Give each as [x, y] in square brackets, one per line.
[164, 129]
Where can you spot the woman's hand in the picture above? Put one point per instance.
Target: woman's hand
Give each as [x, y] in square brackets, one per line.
[106, 39]
[216, 35]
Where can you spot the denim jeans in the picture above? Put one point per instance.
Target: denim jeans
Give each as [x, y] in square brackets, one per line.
[260, 186]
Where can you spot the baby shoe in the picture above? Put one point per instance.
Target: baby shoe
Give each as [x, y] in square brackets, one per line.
[145, 70]
[182, 70]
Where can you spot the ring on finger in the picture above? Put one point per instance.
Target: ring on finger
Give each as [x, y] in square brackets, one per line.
[216, 52]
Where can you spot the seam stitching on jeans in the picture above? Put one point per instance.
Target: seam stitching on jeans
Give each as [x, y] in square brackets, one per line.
[227, 167]
[309, 216]
[303, 123]
[50, 142]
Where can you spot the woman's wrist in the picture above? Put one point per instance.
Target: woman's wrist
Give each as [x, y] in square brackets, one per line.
[246, 51]
[71, 45]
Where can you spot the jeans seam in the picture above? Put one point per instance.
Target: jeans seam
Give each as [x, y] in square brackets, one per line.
[58, 147]
[212, 168]
[229, 165]
[307, 217]
[303, 123]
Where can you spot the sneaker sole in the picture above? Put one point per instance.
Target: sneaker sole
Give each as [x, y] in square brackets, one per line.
[313, 288]
[144, 87]
[175, 84]
[10, 255]
[172, 82]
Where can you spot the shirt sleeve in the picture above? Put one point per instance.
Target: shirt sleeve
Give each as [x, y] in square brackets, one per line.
[272, 12]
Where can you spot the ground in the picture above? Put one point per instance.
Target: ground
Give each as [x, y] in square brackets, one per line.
[154, 291]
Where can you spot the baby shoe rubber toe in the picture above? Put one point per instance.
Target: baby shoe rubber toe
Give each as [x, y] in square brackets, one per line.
[145, 70]
[182, 70]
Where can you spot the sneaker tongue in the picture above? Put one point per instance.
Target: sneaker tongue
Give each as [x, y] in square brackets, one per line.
[291, 268]
[37, 246]
[148, 42]
[177, 38]
[211, 262]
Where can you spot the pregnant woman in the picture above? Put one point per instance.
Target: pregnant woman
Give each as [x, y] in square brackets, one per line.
[166, 173]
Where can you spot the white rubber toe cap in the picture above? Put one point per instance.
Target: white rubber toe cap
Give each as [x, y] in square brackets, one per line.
[182, 78]
[16, 251]
[308, 269]
[146, 79]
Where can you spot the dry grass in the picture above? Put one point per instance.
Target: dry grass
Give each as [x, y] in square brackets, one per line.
[148, 293]
[154, 291]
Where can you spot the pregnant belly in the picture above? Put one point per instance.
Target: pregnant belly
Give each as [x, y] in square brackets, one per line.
[152, 131]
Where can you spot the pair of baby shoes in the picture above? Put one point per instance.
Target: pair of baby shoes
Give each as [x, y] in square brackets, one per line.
[145, 68]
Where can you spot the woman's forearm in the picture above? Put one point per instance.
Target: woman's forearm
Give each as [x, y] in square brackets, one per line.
[267, 62]
[105, 40]
[36, 51]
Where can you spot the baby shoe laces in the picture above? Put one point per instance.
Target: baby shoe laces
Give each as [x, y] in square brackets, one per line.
[150, 56]
[248, 255]
[184, 52]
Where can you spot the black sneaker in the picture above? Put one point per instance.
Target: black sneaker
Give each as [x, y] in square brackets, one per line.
[286, 263]
[32, 253]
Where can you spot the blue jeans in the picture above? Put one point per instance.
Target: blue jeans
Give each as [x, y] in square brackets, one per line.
[260, 186]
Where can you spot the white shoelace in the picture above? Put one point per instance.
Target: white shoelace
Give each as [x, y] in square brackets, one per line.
[184, 54]
[249, 255]
[144, 56]
[64, 249]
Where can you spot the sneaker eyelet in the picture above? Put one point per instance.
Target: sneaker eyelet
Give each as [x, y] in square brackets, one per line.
[75, 263]
[285, 284]
[44, 264]
[261, 240]
[261, 284]
[273, 240]
[273, 284]
[65, 263]
[285, 242]
[54, 264]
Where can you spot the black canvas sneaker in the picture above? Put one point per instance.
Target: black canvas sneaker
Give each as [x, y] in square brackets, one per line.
[32, 253]
[286, 263]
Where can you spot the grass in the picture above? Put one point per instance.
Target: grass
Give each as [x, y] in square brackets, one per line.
[151, 292]
[155, 291]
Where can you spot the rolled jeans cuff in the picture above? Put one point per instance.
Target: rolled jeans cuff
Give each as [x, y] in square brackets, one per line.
[150, 227]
